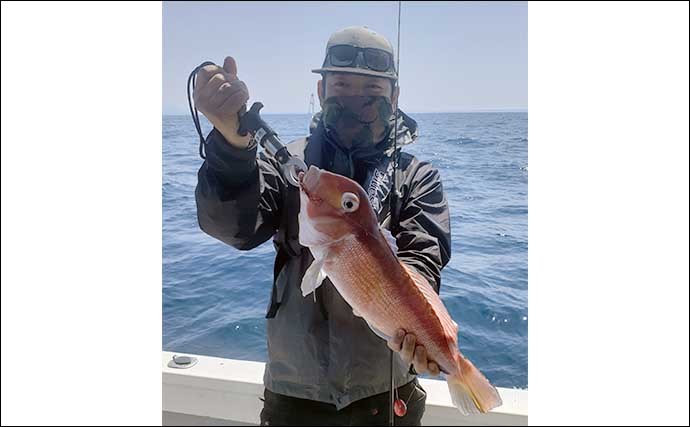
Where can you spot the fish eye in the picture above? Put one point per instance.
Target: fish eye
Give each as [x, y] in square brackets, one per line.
[349, 202]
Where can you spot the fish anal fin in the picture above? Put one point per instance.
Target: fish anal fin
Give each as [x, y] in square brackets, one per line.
[378, 332]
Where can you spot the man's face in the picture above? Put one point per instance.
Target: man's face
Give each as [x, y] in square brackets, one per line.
[347, 84]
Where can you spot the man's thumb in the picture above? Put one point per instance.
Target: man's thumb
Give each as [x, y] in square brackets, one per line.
[230, 66]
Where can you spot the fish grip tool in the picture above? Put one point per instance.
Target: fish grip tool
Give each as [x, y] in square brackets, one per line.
[251, 122]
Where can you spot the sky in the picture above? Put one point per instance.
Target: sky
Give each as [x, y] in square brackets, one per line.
[454, 56]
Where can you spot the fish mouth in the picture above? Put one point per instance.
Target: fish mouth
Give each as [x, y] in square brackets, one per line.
[308, 182]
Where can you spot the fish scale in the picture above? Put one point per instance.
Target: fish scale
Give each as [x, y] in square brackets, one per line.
[383, 305]
[340, 228]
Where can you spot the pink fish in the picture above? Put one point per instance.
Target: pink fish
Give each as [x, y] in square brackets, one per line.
[340, 228]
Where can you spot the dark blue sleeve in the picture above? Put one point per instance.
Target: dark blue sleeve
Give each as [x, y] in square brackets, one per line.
[423, 236]
[238, 195]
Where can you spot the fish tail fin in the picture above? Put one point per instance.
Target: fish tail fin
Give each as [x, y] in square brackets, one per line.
[470, 391]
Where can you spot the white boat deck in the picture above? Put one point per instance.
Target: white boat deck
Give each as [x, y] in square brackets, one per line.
[217, 392]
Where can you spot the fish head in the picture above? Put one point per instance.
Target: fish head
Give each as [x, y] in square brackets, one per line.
[332, 207]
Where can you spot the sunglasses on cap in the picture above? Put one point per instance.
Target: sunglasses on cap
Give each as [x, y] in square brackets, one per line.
[374, 59]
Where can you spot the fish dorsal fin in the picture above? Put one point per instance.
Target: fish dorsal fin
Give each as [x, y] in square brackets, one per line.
[449, 325]
[390, 239]
[373, 328]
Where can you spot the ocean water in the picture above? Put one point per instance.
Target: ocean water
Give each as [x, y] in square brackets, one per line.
[215, 297]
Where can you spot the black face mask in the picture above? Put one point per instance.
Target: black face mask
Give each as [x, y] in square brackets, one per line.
[351, 122]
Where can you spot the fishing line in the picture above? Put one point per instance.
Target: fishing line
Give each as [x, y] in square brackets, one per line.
[394, 202]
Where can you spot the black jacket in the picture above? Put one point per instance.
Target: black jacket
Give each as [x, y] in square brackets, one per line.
[320, 351]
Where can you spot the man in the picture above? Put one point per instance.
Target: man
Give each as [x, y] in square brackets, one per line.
[325, 366]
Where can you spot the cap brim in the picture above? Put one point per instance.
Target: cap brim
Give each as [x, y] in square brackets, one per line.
[354, 70]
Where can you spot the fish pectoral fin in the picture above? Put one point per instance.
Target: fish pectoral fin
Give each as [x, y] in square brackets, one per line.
[378, 331]
[390, 239]
[313, 277]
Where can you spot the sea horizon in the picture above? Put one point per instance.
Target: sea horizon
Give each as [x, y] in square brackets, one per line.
[491, 111]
